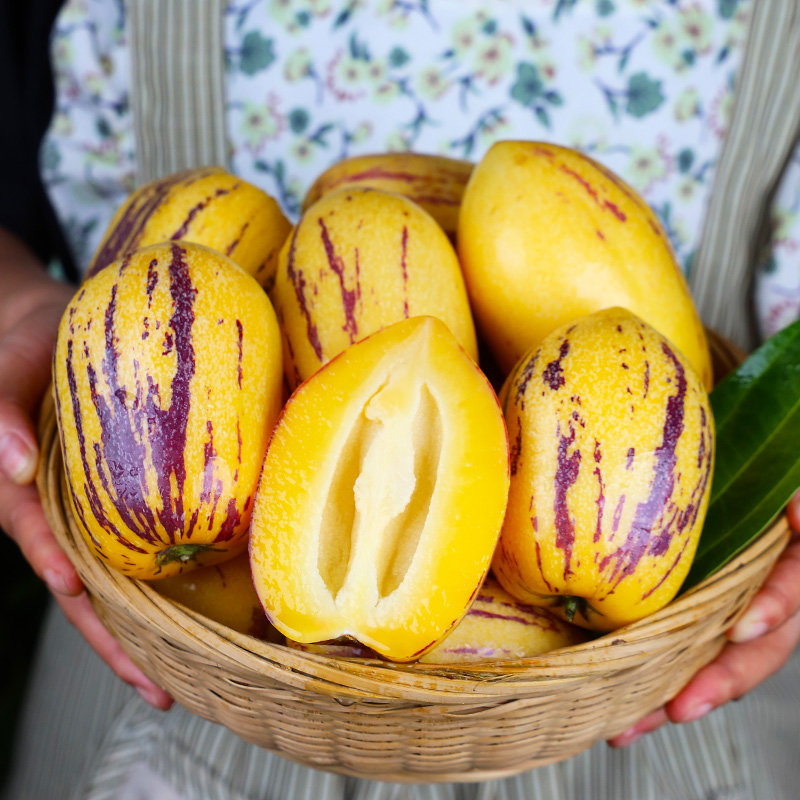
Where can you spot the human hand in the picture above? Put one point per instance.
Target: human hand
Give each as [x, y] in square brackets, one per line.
[760, 644]
[31, 306]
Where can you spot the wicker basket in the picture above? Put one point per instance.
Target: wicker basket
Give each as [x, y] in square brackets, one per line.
[417, 723]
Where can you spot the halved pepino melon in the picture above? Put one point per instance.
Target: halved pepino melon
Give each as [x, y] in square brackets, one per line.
[382, 494]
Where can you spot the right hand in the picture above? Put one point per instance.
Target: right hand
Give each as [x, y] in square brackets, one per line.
[31, 305]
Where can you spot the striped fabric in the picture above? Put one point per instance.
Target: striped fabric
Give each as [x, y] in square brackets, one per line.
[763, 131]
[177, 85]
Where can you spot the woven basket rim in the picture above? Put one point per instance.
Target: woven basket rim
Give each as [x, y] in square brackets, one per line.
[351, 680]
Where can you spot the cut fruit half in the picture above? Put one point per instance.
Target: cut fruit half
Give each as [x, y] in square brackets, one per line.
[382, 494]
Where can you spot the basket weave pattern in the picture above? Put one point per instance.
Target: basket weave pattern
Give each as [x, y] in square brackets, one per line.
[412, 722]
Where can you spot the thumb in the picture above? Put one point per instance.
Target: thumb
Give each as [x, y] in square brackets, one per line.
[25, 364]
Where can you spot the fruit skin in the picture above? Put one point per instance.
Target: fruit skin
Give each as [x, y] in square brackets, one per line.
[382, 494]
[612, 450]
[435, 183]
[497, 627]
[167, 373]
[206, 206]
[223, 593]
[357, 261]
[546, 235]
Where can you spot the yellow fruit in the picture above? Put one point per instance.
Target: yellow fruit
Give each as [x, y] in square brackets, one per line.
[382, 494]
[357, 261]
[612, 448]
[498, 627]
[546, 235]
[433, 182]
[206, 206]
[223, 593]
[168, 379]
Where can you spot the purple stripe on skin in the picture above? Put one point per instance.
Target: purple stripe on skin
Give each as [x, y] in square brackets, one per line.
[628, 555]
[516, 449]
[539, 557]
[631, 454]
[299, 283]
[127, 232]
[404, 245]
[524, 377]
[590, 189]
[195, 210]
[349, 296]
[152, 280]
[601, 497]
[90, 490]
[232, 246]
[553, 374]
[240, 336]
[566, 475]
[125, 431]
[668, 572]
[617, 516]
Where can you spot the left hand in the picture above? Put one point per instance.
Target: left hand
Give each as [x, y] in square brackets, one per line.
[760, 644]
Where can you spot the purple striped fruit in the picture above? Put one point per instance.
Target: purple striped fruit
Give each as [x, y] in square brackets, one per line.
[612, 448]
[206, 206]
[435, 183]
[498, 627]
[168, 376]
[358, 261]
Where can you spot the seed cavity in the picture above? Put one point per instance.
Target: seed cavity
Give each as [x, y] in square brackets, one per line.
[401, 536]
[381, 491]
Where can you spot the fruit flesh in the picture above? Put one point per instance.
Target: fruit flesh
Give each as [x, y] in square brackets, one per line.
[387, 469]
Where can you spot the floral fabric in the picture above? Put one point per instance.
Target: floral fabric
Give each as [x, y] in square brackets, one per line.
[644, 86]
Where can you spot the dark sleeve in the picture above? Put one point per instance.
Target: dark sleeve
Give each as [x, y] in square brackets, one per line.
[26, 100]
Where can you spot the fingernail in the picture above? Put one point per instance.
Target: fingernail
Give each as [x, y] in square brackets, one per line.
[628, 737]
[749, 627]
[697, 711]
[55, 581]
[17, 459]
[149, 696]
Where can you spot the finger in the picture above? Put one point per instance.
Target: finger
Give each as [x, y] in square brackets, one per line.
[25, 359]
[777, 600]
[737, 670]
[793, 511]
[22, 518]
[79, 611]
[647, 724]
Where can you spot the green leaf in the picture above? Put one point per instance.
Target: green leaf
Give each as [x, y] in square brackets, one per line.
[685, 160]
[644, 95]
[257, 53]
[757, 418]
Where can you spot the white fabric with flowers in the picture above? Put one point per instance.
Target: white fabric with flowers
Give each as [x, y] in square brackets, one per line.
[644, 86]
